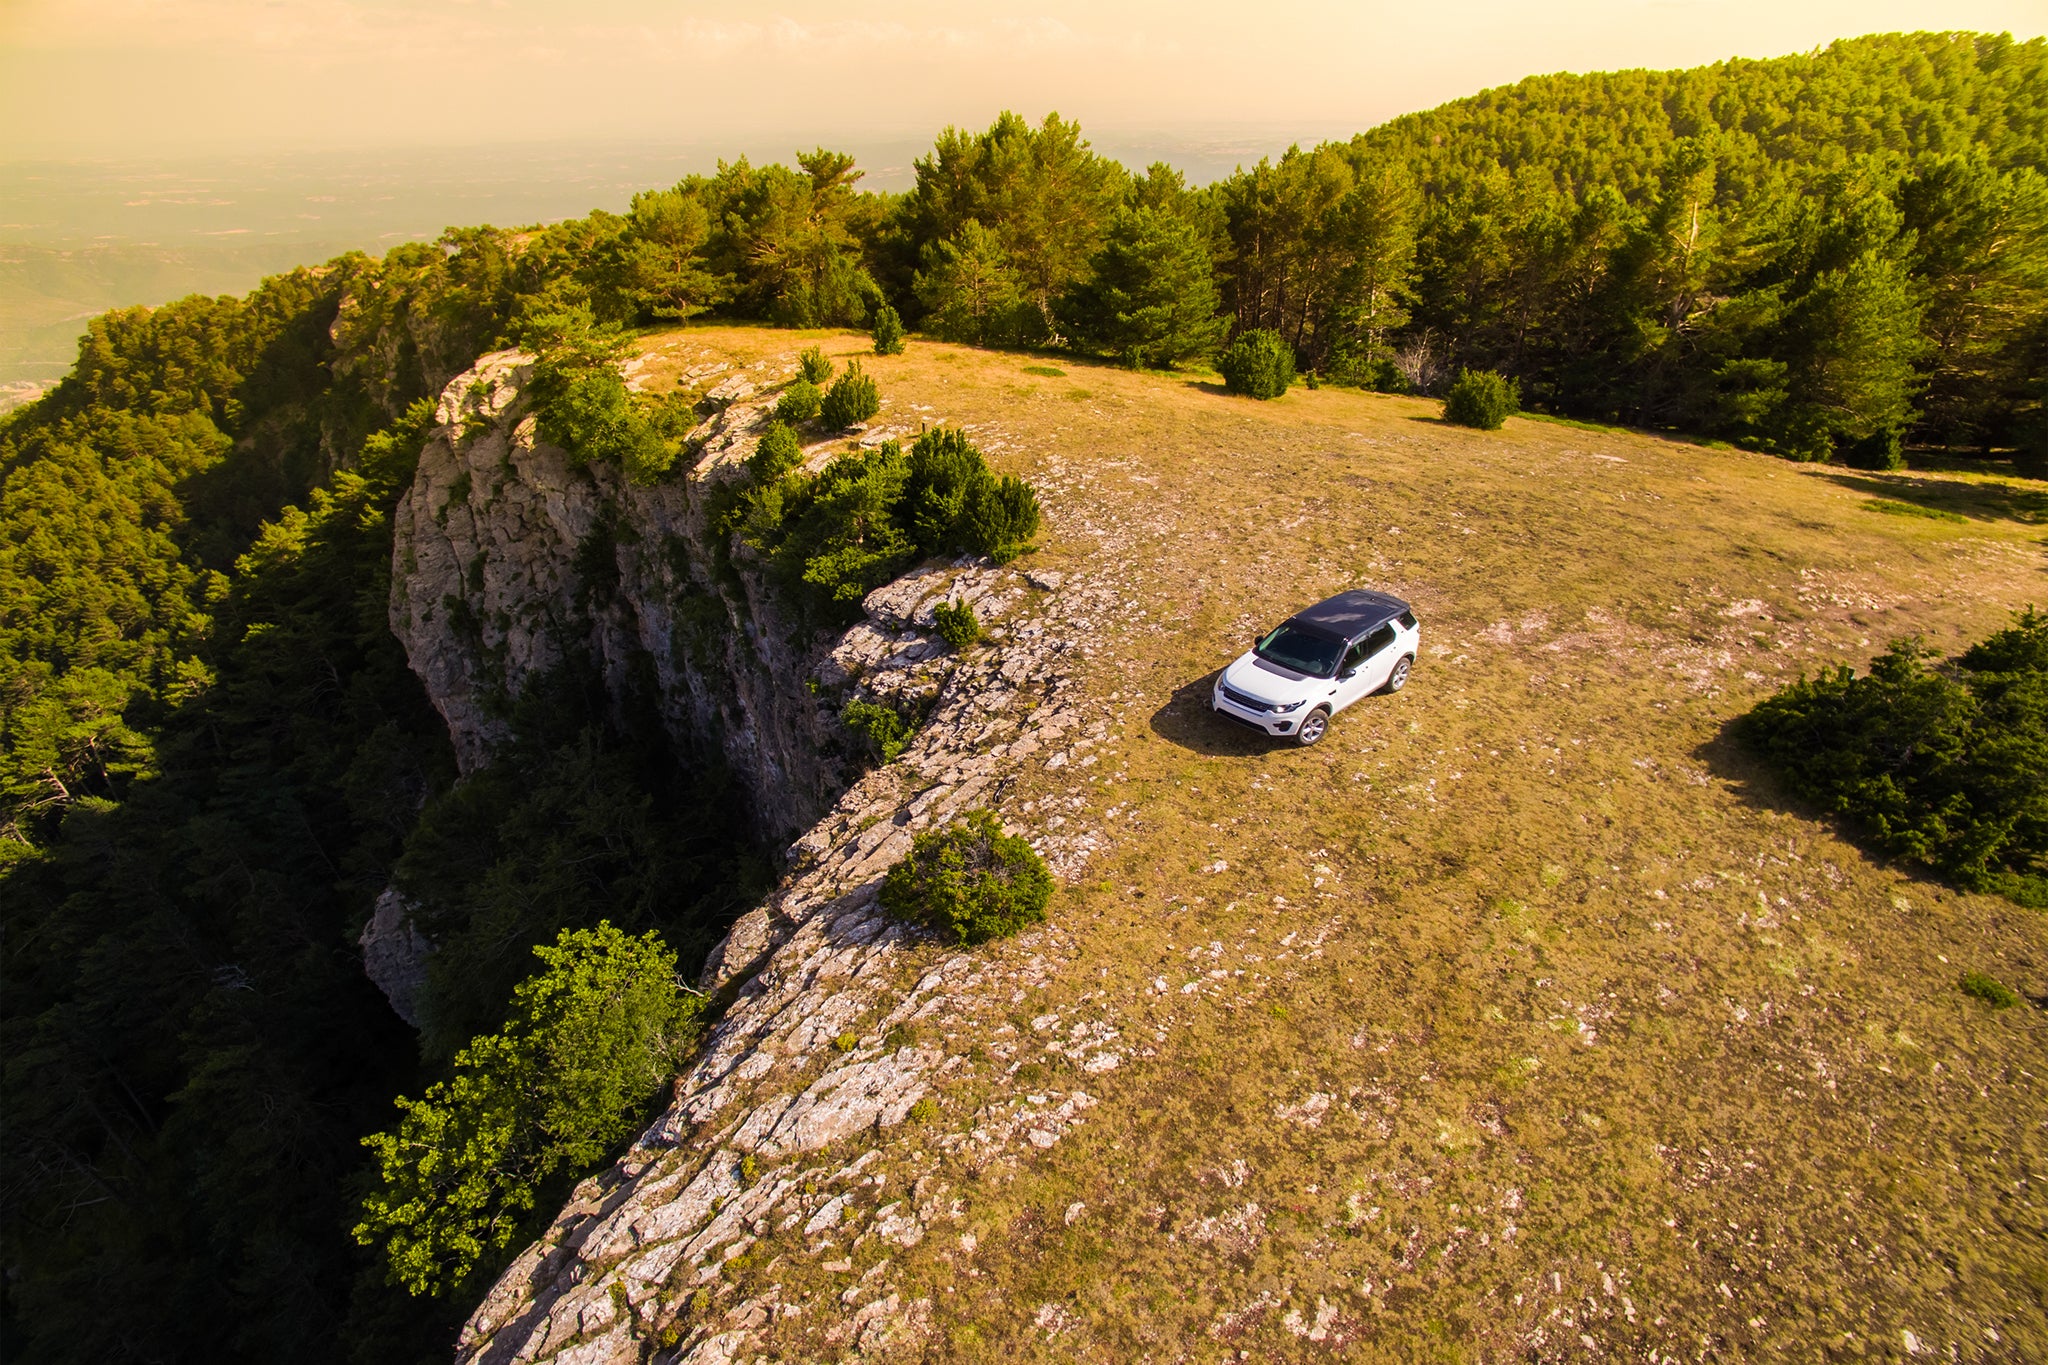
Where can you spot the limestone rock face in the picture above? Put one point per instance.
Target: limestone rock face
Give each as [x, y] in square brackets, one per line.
[395, 955]
[510, 559]
[800, 1074]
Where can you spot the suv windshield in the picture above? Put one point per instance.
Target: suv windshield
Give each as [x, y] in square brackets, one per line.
[1300, 651]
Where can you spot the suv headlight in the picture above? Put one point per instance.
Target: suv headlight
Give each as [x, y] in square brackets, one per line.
[1296, 706]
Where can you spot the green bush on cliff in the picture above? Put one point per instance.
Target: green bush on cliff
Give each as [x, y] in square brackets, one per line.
[957, 624]
[778, 452]
[582, 401]
[882, 731]
[812, 366]
[836, 536]
[590, 1041]
[852, 399]
[969, 881]
[799, 403]
[954, 502]
[1000, 517]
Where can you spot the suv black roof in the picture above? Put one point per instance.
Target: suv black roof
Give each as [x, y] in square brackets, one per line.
[1350, 615]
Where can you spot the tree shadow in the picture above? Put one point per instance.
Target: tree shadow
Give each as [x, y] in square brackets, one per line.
[1187, 722]
[1977, 501]
[1756, 786]
[1210, 386]
[1749, 777]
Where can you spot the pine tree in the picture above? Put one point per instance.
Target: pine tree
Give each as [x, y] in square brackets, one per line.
[1376, 223]
[1150, 299]
[888, 331]
[972, 292]
[1849, 345]
[1980, 257]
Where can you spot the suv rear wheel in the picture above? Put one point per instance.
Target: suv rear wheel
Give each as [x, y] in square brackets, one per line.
[1314, 726]
[1398, 679]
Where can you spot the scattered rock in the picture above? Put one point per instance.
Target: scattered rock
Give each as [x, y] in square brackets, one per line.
[395, 954]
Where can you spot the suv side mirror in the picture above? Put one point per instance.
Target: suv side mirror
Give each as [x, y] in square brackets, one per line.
[1347, 673]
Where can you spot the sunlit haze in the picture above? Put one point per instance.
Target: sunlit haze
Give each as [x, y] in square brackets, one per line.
[121, 77]
[156, 148]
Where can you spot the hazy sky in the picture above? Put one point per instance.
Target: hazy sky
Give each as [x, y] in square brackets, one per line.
[112, 77]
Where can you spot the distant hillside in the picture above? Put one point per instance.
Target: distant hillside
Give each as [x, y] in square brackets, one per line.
[1768, 124]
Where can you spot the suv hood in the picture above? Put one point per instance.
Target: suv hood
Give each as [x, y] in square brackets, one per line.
[1255, 677]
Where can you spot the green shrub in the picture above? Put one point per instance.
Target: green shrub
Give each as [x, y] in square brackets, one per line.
[852, 399]
[1944, 766]
[590, 1041]
[1000, 518]
[778, 452]
[1259, 364]
[1881, 449]
[595, 419]
[812, 367]
[582, 403]
[834, 538]
[882, 730]
[943, 465]
[1482, 399]
[888, 331]
[957, 624]
[799, 403]
[954, 501]
[1991, 991]
[924, 1111]
[969, 881]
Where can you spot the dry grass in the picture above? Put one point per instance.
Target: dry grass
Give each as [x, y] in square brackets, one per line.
[1522, 1018]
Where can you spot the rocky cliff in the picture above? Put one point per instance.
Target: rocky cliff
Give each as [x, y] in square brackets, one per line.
[817, 1058]
[511, 559]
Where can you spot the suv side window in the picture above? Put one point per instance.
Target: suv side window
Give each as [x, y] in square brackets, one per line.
[1407, 619]
[1375, 642]
[1356, 655]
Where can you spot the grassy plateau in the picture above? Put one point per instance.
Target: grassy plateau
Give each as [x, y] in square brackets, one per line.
[1523, 1018]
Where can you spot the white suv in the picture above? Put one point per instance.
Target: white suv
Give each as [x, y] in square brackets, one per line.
[1318, 662]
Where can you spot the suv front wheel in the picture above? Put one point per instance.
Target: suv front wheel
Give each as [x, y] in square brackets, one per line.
[1314, 726]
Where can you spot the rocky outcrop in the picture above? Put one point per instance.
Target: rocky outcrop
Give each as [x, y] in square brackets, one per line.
[511, 559]
[775, 1121]
[395, 955]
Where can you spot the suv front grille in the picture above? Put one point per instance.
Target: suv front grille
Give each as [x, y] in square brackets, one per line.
[1237, 698]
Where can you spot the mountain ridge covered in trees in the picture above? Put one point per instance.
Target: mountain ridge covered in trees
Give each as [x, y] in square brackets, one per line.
[212, 755]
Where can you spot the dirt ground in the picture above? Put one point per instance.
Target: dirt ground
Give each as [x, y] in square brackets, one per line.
[1523, 1018]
